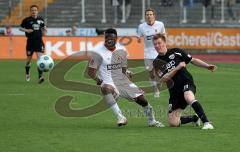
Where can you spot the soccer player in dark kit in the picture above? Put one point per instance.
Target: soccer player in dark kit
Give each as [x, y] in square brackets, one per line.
[34, 28]
[170, 65]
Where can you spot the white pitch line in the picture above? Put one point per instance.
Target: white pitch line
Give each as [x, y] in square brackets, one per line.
[16, 94]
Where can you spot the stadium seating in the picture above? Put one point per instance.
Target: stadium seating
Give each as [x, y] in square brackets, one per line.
[71, 14]
[61, 13]
[14, 18]
[3, 9]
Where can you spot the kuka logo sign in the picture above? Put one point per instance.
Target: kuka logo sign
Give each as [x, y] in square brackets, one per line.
[62, 47]
[66, 48]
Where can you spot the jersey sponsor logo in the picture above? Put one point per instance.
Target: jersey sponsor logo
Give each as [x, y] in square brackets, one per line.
[170, 66]
[149, 38]
[36, 26]
[114, 66]
[172, 56]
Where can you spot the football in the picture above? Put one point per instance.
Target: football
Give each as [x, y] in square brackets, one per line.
[45, 63]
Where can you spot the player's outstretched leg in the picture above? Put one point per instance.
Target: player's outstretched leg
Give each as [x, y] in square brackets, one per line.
[201, 114]
[149, 112]
[108, 91]
[197, 107]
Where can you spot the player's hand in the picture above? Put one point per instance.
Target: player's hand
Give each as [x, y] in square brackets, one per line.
[99, 81]
[129, 74]
[29, 30]
[138, 39]
[181, 65]
[211, 67]
[44, 28]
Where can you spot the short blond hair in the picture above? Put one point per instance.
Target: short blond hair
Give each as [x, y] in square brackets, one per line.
[161, 36]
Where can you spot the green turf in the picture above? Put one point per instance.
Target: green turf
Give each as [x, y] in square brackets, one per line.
[29, 123]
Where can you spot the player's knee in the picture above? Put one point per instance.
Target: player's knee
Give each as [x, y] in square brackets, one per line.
[189, 97]
[188, 100]
[174, 122]
[107, 89]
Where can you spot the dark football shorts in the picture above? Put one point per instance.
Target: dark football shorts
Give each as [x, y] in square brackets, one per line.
[34, 46]
[177, 99]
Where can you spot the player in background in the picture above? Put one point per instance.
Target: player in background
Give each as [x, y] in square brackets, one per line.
[110, 61]
[34, 28]
[147, 30]
[183, 90]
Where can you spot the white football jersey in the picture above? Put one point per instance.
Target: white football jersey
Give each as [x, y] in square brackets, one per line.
[109, 64]
[148, 31]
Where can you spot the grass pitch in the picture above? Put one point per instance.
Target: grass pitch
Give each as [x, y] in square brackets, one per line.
[29, 123]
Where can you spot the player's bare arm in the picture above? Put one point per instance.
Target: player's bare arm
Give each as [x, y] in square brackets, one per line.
[93, 74]
[166, 77]
[127, 72]
[200, 63]
[138, 39]
[25, 30]
[44, 30]
[124, 70]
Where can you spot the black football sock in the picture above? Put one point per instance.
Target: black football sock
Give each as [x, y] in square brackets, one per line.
[187, 119]
[27, 68]
[199, 111]
[40, 73]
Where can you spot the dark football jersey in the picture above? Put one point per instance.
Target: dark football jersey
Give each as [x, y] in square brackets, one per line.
[36, 24]
[170, 60]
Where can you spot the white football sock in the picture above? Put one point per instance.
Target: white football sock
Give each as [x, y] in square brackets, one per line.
[113, 104]
[154, 85]
[149, 112]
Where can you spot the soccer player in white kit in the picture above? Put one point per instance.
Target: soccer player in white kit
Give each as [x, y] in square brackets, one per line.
[109, 61]
[147, 30]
